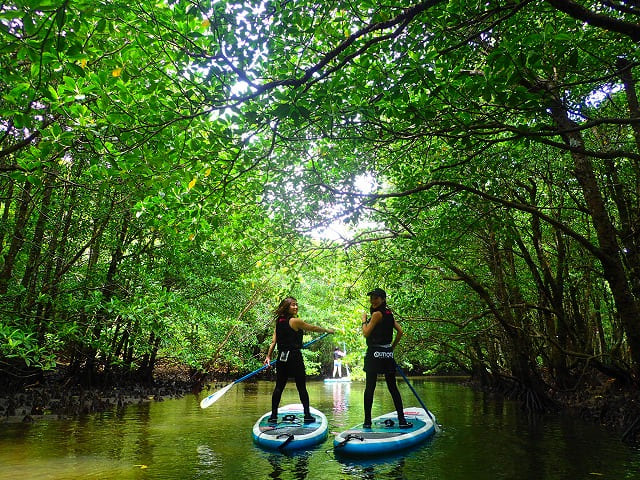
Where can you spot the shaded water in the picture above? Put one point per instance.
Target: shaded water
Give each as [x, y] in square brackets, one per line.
[175, 439]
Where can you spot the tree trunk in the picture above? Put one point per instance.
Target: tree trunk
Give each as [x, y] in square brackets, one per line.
[609, 251]
[17, 238]
[30, 277]
[8, 198]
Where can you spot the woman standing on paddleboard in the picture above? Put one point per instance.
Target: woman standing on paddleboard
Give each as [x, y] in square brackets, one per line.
[378, 330]
[288, 336]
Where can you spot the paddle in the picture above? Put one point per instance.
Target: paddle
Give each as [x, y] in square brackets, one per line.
[215, 396]
[344, 347]
[435, 423]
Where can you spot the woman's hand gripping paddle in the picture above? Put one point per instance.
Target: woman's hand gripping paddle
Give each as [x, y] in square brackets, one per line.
[215, 396]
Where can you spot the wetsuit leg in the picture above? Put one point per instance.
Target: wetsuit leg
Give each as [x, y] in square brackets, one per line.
[369, 389]
[281, 382]
[395, 395]
[301, 385]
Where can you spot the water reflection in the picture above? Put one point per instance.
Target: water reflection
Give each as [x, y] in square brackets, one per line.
[376, 470]
[482, 439]
[208, 462]
[340, 394]
[297, 464]
[395, 466]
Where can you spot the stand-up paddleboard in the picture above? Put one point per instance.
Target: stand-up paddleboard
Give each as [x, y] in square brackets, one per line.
[337, 380]
[385, 435]
[291, 432]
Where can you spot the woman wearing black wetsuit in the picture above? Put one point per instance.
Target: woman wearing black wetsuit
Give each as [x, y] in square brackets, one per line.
[287, 335]
[378, 330]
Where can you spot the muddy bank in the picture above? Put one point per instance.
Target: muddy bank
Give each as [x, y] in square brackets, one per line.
[55, 395]
[612, 406]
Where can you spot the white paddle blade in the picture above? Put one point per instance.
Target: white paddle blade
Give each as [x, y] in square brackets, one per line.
[434, 421]
[213, 398]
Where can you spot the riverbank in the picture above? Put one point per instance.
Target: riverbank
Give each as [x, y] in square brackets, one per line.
[606, 403]
[612, 407]
[56, 397]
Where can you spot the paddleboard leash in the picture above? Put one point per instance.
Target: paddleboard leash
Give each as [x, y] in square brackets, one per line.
[348, 438]
[287, 441]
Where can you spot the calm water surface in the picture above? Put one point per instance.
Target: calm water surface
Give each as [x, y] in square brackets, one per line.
[480, 439]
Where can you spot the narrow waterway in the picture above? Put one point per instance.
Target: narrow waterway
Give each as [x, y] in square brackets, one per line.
[481, 438]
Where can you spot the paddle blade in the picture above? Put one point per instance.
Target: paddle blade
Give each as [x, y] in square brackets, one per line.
[213, 398]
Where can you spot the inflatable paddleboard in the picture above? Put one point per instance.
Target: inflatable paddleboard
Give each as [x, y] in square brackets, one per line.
[291, 432]
[337, 380]
[385, 435]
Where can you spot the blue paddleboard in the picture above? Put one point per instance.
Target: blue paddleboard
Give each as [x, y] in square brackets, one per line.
[385, 435]
[291, 432]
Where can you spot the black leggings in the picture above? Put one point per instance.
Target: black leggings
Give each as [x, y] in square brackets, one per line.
[370, 388]
[281, 382]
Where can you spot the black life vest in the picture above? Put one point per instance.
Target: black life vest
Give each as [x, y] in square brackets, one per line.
[382, 333]
[286, 337]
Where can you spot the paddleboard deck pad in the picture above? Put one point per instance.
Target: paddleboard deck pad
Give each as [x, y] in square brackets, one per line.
[291, 432]
[385, 435]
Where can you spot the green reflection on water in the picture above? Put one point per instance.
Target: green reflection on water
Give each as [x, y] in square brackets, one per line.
[175, 439]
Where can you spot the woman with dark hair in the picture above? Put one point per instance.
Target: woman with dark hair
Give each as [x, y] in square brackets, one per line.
[378, 330]
[337, 362]
[287, 335]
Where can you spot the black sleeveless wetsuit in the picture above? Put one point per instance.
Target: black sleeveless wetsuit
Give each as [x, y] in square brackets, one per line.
[379, 356]
[289, 344]
[290, 364]
[379, 359]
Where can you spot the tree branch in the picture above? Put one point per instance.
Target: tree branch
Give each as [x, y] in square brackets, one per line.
[574, 10]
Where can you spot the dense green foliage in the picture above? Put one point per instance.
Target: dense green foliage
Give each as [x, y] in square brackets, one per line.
[163, 166]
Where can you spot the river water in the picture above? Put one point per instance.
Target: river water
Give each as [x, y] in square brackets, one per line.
[480, 438]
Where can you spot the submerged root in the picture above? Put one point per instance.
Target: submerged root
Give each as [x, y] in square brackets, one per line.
[632, 431]
[533, 400]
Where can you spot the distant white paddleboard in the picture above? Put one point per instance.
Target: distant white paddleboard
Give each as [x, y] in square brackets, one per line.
[337, 380]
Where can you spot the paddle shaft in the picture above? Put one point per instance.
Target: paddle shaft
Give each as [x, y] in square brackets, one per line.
[416, 394]
[249, 375]
[344, 348]
[211, 399]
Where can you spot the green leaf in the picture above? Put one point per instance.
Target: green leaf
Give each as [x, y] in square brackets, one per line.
[282, 111]
[60, 17]
[52, 93]
[77, 69]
